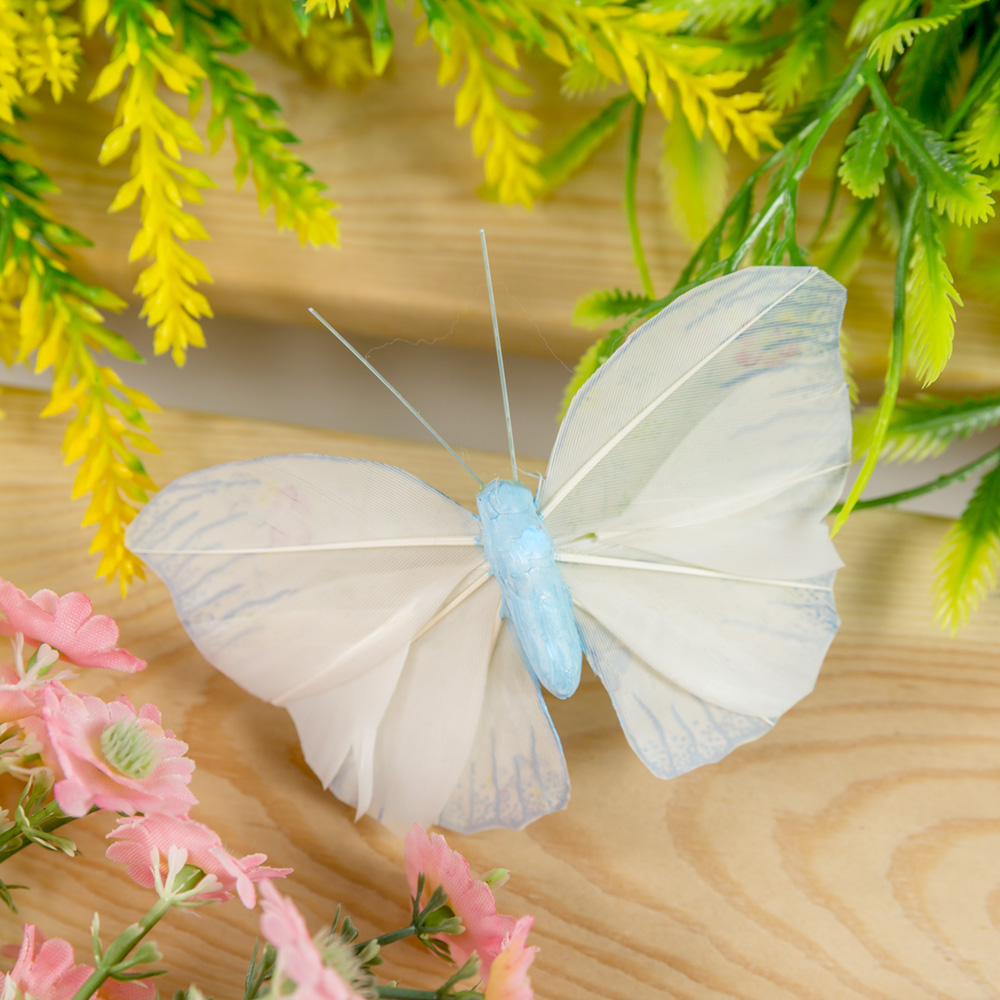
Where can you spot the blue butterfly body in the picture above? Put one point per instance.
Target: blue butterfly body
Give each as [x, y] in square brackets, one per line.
[521, 554]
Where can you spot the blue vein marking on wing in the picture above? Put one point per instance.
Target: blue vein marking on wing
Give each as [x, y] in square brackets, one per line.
[684, 726]
[658, 726]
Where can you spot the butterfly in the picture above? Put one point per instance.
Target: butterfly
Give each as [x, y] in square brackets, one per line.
[677, 540]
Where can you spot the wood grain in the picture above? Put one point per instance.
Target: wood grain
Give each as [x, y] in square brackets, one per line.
[854, 852]
[409, 266]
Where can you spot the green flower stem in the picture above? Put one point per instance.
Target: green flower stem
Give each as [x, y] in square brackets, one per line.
[935, 484]
[122, 946]
[631, 172]
[894, 369]
[392, 936]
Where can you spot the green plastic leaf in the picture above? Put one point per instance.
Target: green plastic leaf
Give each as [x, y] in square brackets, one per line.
[969, 556]
[981, 140]
[581, 144]
[873, 15]
[790, 71]
[952, 187]
[704, 15]
[862, 167]
[694, 176]
[930, 299]
[927, 425]
[598, 307]
[895, 39]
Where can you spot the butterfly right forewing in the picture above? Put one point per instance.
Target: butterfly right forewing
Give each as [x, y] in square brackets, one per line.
[686, 493]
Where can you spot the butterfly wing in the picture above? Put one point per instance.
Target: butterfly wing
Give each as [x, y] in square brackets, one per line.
[516, 771]
[359, 597]
[685, 495]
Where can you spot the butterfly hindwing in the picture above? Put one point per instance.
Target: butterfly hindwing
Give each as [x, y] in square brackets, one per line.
[516, 771]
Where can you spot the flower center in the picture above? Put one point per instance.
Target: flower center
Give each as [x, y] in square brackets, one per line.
[128, 748]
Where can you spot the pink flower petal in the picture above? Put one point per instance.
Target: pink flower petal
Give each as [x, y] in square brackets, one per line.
[298, 958]
[68, 625]
[470, 898]
[47, 972]
[136, 837]
[509, 972]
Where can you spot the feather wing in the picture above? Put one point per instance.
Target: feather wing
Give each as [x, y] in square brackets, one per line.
[296, 573]
[685, 495]
[516, 771]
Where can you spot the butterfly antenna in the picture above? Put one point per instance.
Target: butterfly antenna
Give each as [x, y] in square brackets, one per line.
[451, 451]
[496, 339]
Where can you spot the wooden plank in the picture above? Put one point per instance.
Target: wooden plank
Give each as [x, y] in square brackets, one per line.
[851, 854]
[406, 181]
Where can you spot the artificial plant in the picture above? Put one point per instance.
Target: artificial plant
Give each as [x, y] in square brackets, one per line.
[907, 93]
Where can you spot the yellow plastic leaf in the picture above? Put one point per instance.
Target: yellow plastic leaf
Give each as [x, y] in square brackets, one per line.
[109, 78]
[117, 141]
[161, 22]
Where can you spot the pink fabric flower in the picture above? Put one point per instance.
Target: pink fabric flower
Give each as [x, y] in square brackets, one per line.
[45, 969]
[68, 625]
[298, 957]
[469, 898]
[137, 837]
[108, 755]
[509, 972]
[49, 973]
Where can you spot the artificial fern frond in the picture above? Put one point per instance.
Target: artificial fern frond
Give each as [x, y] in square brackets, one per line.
[927, 425]
[332, 50]
[969, 556]
[862, 167]
[58, 322]
[694, 175]
[952, 186]
[873, 15]
[262, 141]
[704, 15]
[598, 307]
[579, 146]
[789, 72]
[896, 39]
[930, 299]
[981, 140]
[641, 48]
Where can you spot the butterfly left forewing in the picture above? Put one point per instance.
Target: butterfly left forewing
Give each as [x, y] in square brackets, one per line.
[299, 572]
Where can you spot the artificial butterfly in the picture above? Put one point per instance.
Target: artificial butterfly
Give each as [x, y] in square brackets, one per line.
[681, 516]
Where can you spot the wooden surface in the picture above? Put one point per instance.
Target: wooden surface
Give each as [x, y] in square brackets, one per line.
[409, 266]
[854, 852]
